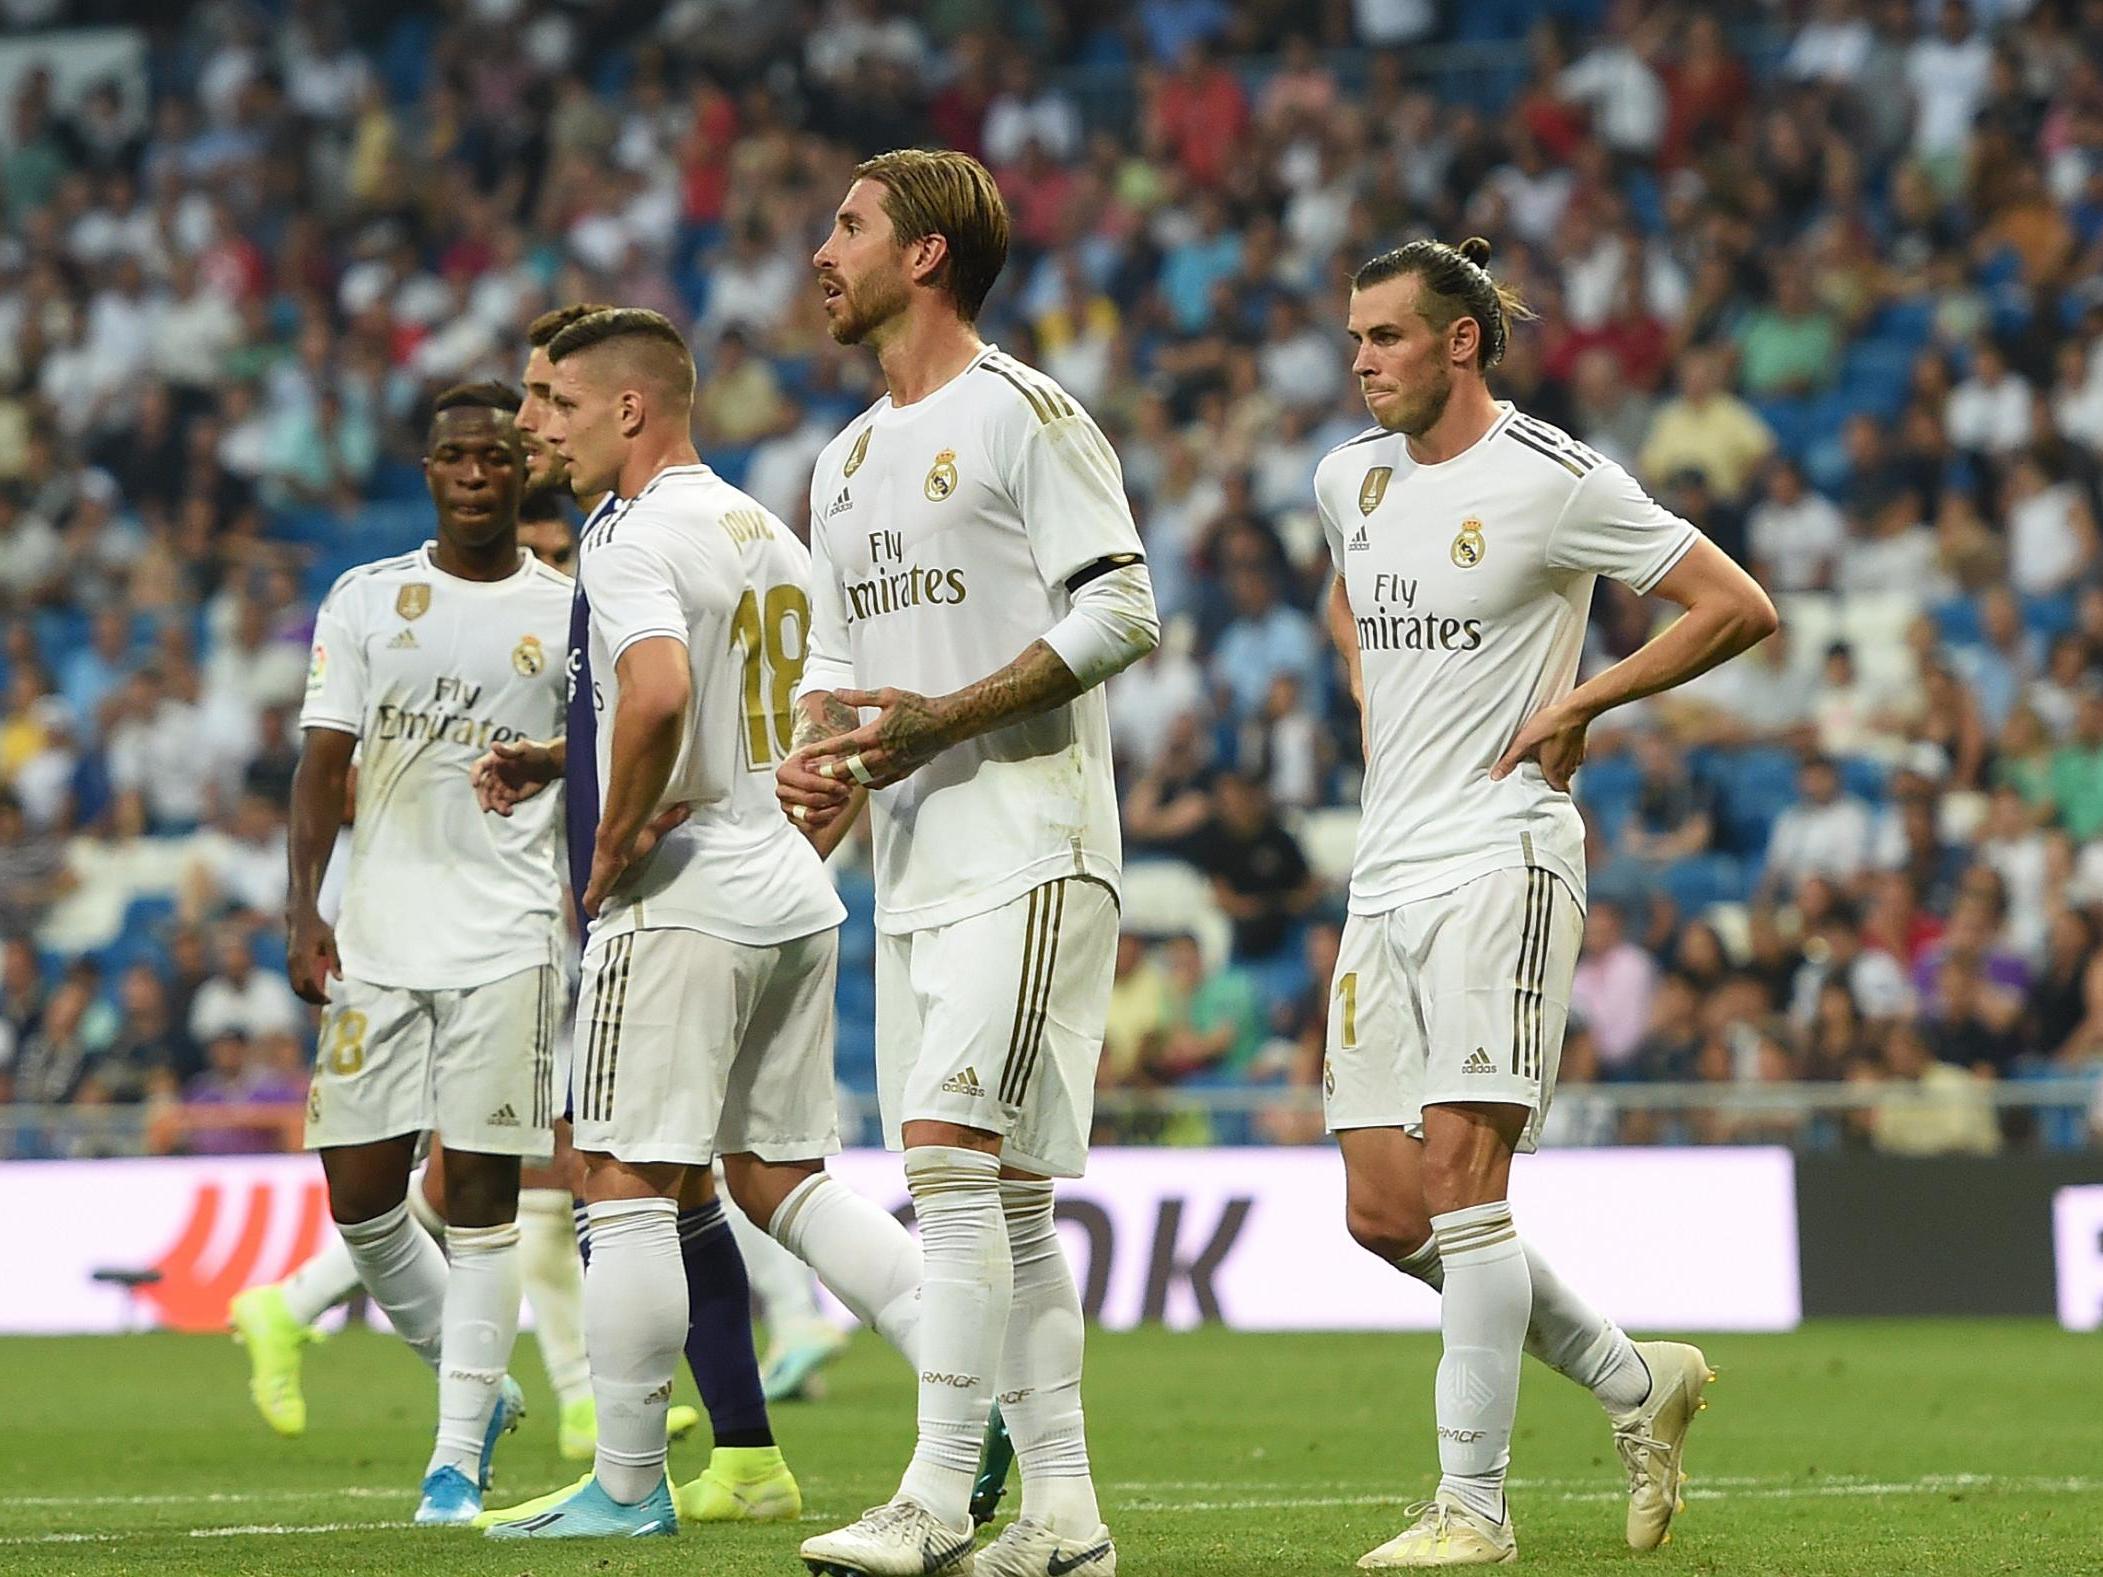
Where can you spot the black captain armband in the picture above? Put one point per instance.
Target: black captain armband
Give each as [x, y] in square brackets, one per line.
[1100, 568]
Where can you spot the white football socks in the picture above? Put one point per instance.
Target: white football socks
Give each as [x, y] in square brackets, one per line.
[404, 1273]
[324, 1281]
[964, 1299]
[481, 1324]
[782, 1285]
[1565, 1332]
[1483, 1314]
[551, 1272]
[859, 1251]
[634, 1329]
[423, 1210]
[1040, 1368]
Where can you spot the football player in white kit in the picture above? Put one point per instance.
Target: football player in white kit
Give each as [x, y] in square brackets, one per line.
[977, 576]
[1467, 537]
[705, 1020]
[441, 979]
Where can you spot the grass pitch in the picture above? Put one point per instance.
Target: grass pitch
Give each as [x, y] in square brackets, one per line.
[1918, 1448]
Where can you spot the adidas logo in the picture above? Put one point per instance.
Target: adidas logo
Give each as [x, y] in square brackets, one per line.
[404, 642]
[839, 505]
[503, 1117]
[1478, 1062]
[965, 1083]
[1358, 540]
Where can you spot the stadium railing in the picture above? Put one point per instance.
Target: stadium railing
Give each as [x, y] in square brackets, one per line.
[2051, 1113]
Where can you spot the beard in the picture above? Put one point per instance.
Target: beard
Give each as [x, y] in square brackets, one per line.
[544, 495]
[868, 306]
[1421, 414]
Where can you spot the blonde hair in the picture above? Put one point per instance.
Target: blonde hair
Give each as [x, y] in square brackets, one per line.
[951, 195]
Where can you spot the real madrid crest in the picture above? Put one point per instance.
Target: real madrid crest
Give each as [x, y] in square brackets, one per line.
[412, 601]
[1373, 488]
[941, 477]
[1468, 547]
[856, 455]
[527, 657]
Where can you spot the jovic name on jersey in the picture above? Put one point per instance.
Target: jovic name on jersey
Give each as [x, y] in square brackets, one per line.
[1470, 583]
[944, 536]
[428, 671]
[692, 558]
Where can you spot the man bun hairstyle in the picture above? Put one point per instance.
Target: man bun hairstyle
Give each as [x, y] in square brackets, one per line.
[541, 332]
[1453, 282]
[951, 195]
[659, 345]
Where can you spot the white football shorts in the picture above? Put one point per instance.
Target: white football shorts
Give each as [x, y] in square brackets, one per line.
[1460, 997]
[690, 1046]
[995, 1021]
[476, 1066]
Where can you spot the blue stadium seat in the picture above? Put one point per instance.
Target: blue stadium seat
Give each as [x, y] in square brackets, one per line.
[1705, 880]
[1862, 777]
[1958, 621]
[2050, 617]
[1607, 790]
[1760, 785]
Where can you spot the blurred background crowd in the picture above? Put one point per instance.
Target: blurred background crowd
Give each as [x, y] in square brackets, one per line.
[1826, 274]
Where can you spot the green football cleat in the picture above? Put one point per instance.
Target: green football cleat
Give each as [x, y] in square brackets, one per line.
[741, 1484]
[530, 1508]
[996, 1456]
[263, 1325]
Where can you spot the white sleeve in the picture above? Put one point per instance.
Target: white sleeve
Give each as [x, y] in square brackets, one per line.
[1111, 625]
[1610, 526]
[827, 664]
[337, 678]
[1070, 491]
[1332, 532]
[633, 592]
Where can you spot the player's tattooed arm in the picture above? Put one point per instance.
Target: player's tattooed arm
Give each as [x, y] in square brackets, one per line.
[910, 730]
[822, 808]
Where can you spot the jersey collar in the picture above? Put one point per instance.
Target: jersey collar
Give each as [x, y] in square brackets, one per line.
[427, 556]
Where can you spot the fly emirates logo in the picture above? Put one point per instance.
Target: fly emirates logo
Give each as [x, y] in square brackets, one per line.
[895, 585]
[1397, 624]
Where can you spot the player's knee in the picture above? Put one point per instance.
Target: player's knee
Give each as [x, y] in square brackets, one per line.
[1386, 1230]
[1455, 1182]
[481, 1191]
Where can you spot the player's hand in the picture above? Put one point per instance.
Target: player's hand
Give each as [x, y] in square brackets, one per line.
[512, 772]
[310, 957]
[1555, 738]
[608, 865]
[652, 835]
[812, 802]
[907, 733]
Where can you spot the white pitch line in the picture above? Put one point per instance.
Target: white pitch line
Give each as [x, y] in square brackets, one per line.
[261, 1497]
[1716, 1489]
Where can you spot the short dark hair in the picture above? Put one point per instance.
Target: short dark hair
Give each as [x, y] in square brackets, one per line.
[657, 338]
[1455, 283]
[543, 329]
[949, 194]
[489, 394]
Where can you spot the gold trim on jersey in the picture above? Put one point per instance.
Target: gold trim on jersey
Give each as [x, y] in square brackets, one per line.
[1469, 546]
[856, 455]
[1374, 488]
[1043, 398]
[414, 600]
[941, 477]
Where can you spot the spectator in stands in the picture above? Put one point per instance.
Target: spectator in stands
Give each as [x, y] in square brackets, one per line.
[1948, 76]
[740, 399]
[2076, 779]
[1215, 1021]
[1265, 638]
[1260, 878]
[53, 1058]
[2051, 529]
[1826, 833]
[1613, 987]
[1138, 1010]
[1707, 429]
[1989, 412]
[1171, 802]
[92, 671]
[2002, 662]
[147, 1038]
[1891, 551]
[1796, 536]
[1837, 1041]
[1673, 820]
[1791, 346]
[1839, 953]
[33, 872]
[2063, 1015]
[1671, 1038]
[241, 999]
[1925, 1106]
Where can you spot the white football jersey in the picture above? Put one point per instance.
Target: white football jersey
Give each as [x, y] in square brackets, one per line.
[428, 671]
[943, 535]
[1470, 582]
[693, 558]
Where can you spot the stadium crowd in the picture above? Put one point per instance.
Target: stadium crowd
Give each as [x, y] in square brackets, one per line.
[1828, 278]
